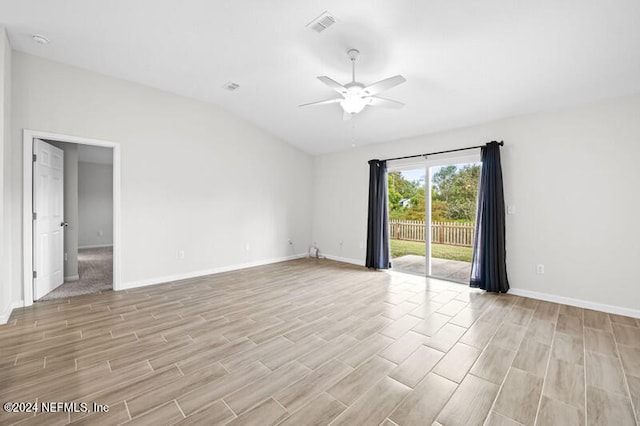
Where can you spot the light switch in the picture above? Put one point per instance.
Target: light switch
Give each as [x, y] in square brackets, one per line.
[511, 209]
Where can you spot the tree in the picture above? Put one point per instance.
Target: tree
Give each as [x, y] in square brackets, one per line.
[399, 188]
[456, 188]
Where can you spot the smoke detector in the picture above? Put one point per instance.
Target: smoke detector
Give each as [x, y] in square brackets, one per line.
[231, 86]
[40, 39]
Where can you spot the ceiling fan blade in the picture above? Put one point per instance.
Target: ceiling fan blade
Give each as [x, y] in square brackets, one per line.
[386, 103]
[333, 84]
[383, 85]
[328, 101]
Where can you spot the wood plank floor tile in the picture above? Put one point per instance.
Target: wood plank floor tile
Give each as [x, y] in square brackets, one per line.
[354, 384]
[413, 369]
[600, 341]
[541, 331]
[596, 319]
[532, 357]
[497, 419]
[166, 414]
[318, 412]
[568, 348]
[470, 403]
[569, 324]
[400, 326]
[493, 363]
[431, 324]
[313, 341]
[608, 408]
[634, 388]
[404, 346]
[519, 396]
[605, 373]
[261, 389]
[630, 360]
[446, 337]
[215, 414]
[554, 412]
[457, 362]
[479, 334]
[620, 319]
[375, 405]
[196, 399]
[328, 351]
[509, 336]
[424, 402]
[367, 348]
[182, 385]
[519, 316]
[117, 414]
[310, 386]
[626, 335]
[267, 413]
[565, 382]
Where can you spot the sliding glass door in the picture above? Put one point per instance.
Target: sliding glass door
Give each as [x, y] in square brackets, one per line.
[407, 231]
[432, 207]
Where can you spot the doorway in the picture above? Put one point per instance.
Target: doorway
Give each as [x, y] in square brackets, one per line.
[432, 208]
[88, 221]
[112, 150]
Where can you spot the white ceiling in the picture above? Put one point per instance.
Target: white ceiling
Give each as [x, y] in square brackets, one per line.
[465, 61]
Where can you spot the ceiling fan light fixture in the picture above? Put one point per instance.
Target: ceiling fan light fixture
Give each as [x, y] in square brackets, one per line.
[353, 104]
[355, 95]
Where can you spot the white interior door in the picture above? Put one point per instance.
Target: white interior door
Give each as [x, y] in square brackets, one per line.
[48, 224]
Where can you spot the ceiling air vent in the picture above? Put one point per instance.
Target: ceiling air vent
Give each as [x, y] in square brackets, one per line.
[231, 86]
[322, 22]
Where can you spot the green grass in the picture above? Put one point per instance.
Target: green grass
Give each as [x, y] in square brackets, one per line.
[440, 251]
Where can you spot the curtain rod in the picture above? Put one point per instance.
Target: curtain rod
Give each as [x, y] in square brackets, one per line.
[501, 143]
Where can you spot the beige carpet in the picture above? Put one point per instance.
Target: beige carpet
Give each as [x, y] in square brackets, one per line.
[95, 267]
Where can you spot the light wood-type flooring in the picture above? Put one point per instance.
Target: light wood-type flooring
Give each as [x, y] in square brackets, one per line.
[315, 342]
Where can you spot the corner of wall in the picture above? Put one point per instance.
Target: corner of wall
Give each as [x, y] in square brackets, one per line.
[7, 303]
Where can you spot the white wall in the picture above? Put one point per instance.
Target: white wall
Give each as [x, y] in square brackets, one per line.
[573, 176]
[95, 204]
[194, 177]
[6, 297]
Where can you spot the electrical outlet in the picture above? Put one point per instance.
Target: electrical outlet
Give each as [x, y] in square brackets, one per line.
[290, 242]
[180, 254]
[100, 233]
[540, 269]
[247, 246]
[511, 209]
[341, 243]
[361, 244]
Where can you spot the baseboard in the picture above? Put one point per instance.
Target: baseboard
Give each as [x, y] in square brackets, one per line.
[95, 246]
[344, 259]
[627, 312]
[204, 272]
[71, 278]
[4, 317]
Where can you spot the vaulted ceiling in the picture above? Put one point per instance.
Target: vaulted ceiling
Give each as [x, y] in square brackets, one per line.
[465, 61]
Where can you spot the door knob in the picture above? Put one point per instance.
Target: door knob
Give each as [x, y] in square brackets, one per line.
[65, 224]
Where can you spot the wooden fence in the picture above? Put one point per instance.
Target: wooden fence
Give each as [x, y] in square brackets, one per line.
[449, 233]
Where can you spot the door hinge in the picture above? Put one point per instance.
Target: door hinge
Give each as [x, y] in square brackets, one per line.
[35, 158]
[35, 274]
[35, 215]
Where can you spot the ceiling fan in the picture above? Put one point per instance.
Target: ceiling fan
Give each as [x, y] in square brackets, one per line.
[355, 95]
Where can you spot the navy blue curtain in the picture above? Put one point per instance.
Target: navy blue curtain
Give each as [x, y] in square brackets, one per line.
[489, 266]
[378, 223]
